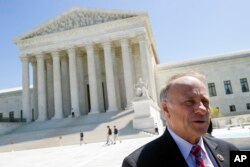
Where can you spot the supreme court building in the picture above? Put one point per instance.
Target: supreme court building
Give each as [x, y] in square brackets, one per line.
[88, 61]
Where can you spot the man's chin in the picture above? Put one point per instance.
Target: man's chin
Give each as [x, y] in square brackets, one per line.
[200, 131]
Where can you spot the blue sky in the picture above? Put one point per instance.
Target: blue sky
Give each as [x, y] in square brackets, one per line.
[183, 29]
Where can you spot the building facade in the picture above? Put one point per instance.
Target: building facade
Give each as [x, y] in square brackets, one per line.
[88, 61]
[227, 78]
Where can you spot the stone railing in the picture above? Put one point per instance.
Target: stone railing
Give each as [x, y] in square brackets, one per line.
[230, 121]
[6, 127]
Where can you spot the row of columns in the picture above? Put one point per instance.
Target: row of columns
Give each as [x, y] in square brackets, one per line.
[92, 78]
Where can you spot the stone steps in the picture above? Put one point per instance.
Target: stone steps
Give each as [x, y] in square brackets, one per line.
[46, 134]
[70, 122]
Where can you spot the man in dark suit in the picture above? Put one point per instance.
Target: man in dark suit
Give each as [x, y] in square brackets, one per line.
[185, 103]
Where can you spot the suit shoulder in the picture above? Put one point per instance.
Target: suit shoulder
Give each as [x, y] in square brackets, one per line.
[148, 148]
[221, 143]
[143, 156]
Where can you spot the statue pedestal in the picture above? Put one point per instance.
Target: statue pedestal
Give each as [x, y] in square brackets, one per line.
[146, 115]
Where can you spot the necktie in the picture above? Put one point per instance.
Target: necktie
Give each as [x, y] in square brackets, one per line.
[196, 151]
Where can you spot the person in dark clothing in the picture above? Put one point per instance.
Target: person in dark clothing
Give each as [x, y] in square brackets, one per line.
[156, 129]
[109, 134]
[72, 113]
[82, 138]
[116, 135]
[185, 103]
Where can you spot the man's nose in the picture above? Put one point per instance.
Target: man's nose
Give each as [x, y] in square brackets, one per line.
[201, 108]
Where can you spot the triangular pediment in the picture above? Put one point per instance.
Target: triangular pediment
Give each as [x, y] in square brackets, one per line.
[79, 17]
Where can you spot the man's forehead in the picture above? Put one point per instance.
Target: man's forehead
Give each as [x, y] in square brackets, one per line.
[196, 92]
[187, 83]
[186, 80]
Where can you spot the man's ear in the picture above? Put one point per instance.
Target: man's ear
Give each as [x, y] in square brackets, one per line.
[165, 108]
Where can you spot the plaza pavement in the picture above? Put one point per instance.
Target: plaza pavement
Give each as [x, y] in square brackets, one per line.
[86, 155]
[91, 154]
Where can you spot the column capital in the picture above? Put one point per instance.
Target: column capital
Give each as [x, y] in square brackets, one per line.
[40, 56]
[55, 53]
[33, 62]
[142, 37]
[24, 59]
[71, 50]
[106, 43]
[124, 41]
[89, 47]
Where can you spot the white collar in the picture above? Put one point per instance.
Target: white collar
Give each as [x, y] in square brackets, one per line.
[183, 145]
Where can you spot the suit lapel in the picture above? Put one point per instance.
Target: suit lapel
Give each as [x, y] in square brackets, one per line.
[171, 151]
[214, 149]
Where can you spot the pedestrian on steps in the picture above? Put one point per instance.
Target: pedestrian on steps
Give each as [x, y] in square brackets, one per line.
[116, 135]
[82, 138]
[109, 133]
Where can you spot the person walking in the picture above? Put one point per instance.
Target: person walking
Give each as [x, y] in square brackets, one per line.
[72, 113]
[156, 129]
[116, 135]
[109, 133]
[82, 138]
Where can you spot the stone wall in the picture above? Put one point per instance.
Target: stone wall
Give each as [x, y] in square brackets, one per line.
[6, 127]
[227, 122]
[217, 69]
[11, 101]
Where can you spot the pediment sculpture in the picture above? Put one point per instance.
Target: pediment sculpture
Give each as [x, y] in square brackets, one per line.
[76, 19]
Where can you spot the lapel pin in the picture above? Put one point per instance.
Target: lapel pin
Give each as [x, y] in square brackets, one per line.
[220, 157]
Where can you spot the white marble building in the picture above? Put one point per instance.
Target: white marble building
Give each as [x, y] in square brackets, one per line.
[86, 61]
[227, 76]
[89, 60]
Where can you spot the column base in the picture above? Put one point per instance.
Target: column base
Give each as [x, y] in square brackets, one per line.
[94, 112]
[57, 117]
[41, 119]
[28, 120]
[115, 109]
[129, 106]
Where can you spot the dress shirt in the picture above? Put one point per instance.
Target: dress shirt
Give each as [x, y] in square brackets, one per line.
[185, 148]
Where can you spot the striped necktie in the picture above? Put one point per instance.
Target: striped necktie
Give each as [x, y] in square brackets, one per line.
[196, 151]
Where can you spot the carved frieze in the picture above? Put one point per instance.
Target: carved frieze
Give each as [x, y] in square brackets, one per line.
[77, 19]
[74, 35]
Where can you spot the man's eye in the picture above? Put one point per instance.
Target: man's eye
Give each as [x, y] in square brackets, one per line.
[189, 102]
[205, 103]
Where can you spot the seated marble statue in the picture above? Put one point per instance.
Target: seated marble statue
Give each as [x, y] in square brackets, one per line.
[141, 89]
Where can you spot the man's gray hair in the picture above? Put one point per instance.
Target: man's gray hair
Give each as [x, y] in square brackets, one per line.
[164, 91]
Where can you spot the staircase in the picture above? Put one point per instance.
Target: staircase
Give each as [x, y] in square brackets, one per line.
[66, 131]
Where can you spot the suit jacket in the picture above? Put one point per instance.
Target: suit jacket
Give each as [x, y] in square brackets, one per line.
[164, 152]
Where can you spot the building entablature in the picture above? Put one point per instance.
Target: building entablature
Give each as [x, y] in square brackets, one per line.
[128, 25]
[85, 32]
[84, 41]
[206, 60]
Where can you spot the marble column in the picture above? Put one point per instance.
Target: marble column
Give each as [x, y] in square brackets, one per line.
[146, 66]
[144, 58]
[94, 101]
[65, 85]
[42, 104]
[110, 80]
[49, 87]
[81, 84]
[26, 92]
[35, 98]
[73, 81]
[127, 69]
[57, 85]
